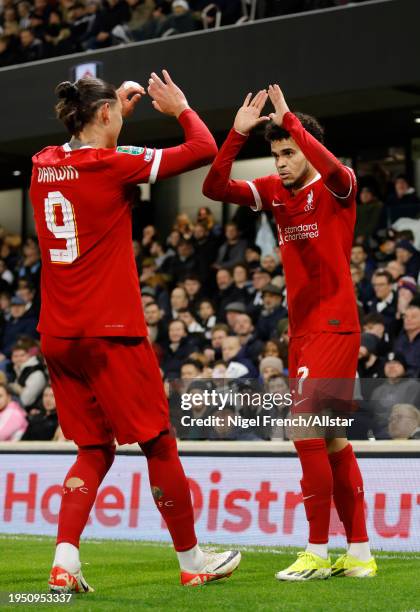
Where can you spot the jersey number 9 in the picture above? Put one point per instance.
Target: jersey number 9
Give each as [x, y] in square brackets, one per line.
[66, 231]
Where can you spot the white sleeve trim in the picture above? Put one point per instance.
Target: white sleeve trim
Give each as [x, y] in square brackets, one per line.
[155, 166]
[257, 197]
[349, 172]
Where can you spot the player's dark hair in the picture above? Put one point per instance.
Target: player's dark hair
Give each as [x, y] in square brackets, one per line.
[79, 101]
[311, 125]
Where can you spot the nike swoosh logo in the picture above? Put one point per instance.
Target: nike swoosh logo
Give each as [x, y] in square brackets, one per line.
[300, 401]
[273, 203]
[308, 497]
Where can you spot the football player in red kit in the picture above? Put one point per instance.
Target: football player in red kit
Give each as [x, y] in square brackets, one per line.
[312, 199]
[105, 376]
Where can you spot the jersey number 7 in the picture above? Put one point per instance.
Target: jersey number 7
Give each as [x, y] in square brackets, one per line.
[66, 231]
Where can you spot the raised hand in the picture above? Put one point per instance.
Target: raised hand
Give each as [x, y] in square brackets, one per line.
[130, 93]
[248, 116]
[277, 99]
[167, 97]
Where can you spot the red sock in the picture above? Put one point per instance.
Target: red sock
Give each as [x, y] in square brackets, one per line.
[80, 489]
[317, 487]
[170, 490]
[348, 494]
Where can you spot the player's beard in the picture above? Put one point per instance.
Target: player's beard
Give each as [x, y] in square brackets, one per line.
[300, 181]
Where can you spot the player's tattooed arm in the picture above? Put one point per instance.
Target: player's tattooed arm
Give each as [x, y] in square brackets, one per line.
[335, 175]
[249, 115]
[130, 93]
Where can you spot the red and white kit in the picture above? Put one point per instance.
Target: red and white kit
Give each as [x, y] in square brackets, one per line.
[90, 287]
[315, 231]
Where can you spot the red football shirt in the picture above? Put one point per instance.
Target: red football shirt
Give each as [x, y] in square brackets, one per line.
[82, 207]
[315, 228]
[315, 234]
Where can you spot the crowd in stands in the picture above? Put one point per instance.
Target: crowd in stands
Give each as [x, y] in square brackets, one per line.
[215, 304]
[36, 29]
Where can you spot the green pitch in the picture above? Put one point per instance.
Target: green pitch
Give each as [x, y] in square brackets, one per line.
[144, 576]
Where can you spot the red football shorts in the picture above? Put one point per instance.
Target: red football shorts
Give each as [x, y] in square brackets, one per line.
[106, 388]
[322, 371]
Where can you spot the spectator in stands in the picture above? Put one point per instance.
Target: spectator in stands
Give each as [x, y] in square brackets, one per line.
[219, 332]
[181, 20]
[396, 269]
[408, 255]
[199, 410]
[177, 350]
[27, 292]
[157, 329]
[28, 378]
[253, 256]
[374, 323]
[231, 348]
[404, 202]
[404, 422]
[368, 214]
[184, 226]
[80, 21]
[207, 314]
[271, 367]
[362, 287]
[232, 311]
[396, 389]
[271, 313]
[184, 262]
[159, 255]
[271, 264]
[406, 292]
[241, 280]
[29, 266]
[113, 13]
[179, 299]
[43, 420]
[385, 300]
[57, 36]
[251, 345]
[233, 249]
[408, 341]
[13, 421]
[10, 21]
[205, 247]
[260, 278]
[194, 328]
[227, 292]
[141, 16]
[370, 365]
[193, 288]
[31, 48]
[24, 12]
[9, 53]
[205, 215]
[6, 275]
[149, 236]
[191, 368]
[19, 324]
[359, 256]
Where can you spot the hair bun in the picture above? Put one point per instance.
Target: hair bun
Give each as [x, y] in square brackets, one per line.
[67, 91]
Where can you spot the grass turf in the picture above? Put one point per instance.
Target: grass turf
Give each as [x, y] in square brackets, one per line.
[144, 576]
